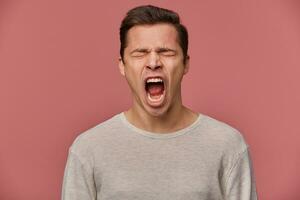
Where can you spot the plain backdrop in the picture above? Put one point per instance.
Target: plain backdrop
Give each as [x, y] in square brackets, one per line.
[59, 77]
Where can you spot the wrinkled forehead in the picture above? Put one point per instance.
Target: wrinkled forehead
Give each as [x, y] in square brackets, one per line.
[152, 36]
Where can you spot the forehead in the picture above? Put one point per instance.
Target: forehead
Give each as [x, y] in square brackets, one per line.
[152, 36]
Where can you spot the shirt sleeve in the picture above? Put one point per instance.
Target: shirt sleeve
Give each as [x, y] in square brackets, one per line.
[240, 184]
[78, 183]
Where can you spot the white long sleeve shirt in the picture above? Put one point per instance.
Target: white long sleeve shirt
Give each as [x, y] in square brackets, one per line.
[208, 160]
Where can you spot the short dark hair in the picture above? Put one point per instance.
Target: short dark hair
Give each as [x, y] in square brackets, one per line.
[144, 15]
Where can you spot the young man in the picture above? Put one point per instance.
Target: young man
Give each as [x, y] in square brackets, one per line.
[158, 149]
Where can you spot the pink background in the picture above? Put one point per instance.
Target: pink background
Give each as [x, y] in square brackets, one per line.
[59, 77]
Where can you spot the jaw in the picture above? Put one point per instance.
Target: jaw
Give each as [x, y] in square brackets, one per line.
[156, 101]
[157, 106]
[143, 104]
[168, 110]
[158, 111]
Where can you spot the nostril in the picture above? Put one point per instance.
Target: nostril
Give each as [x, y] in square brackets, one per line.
[153, 67]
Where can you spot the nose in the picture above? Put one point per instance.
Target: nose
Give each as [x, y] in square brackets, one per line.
[153, 62]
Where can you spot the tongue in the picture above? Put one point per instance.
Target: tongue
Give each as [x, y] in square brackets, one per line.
[155, 90]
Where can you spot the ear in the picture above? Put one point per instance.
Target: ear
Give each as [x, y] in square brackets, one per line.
[187, 65]
[121, 66]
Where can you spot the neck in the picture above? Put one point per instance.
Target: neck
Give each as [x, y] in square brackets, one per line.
[176, 118]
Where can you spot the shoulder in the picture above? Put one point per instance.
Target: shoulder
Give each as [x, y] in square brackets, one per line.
[85, 142]
[224, 136]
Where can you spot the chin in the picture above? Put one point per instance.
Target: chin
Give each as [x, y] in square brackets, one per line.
[157, 112]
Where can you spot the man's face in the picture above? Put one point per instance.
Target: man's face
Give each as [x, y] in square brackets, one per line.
[153, 67]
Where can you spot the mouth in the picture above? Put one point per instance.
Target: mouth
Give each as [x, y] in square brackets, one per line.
[155, 91]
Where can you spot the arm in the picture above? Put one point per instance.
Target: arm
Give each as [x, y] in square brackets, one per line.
[240, 184]
[78, 183]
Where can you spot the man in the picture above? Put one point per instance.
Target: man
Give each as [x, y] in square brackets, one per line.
[158, 149]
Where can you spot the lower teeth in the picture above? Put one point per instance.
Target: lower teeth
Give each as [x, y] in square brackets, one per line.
[155, 99]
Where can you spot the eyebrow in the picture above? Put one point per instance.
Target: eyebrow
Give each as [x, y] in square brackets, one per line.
[159, 50]
[164, 49]
[139, 50]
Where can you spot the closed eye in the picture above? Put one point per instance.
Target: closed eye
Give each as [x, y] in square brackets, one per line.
[166, 52]
[139, 52]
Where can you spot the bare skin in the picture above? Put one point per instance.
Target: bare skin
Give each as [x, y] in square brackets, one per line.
[153, 50]
[163, 124]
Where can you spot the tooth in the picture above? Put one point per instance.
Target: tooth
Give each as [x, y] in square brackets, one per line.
[149, 96]
[154, 80]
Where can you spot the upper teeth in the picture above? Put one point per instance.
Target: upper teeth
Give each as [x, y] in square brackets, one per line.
[154, 80]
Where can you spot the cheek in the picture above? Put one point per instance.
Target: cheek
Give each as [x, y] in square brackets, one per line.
[133, 75]
[176, 73]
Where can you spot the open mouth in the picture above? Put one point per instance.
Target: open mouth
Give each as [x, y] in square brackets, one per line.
[155, 89]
